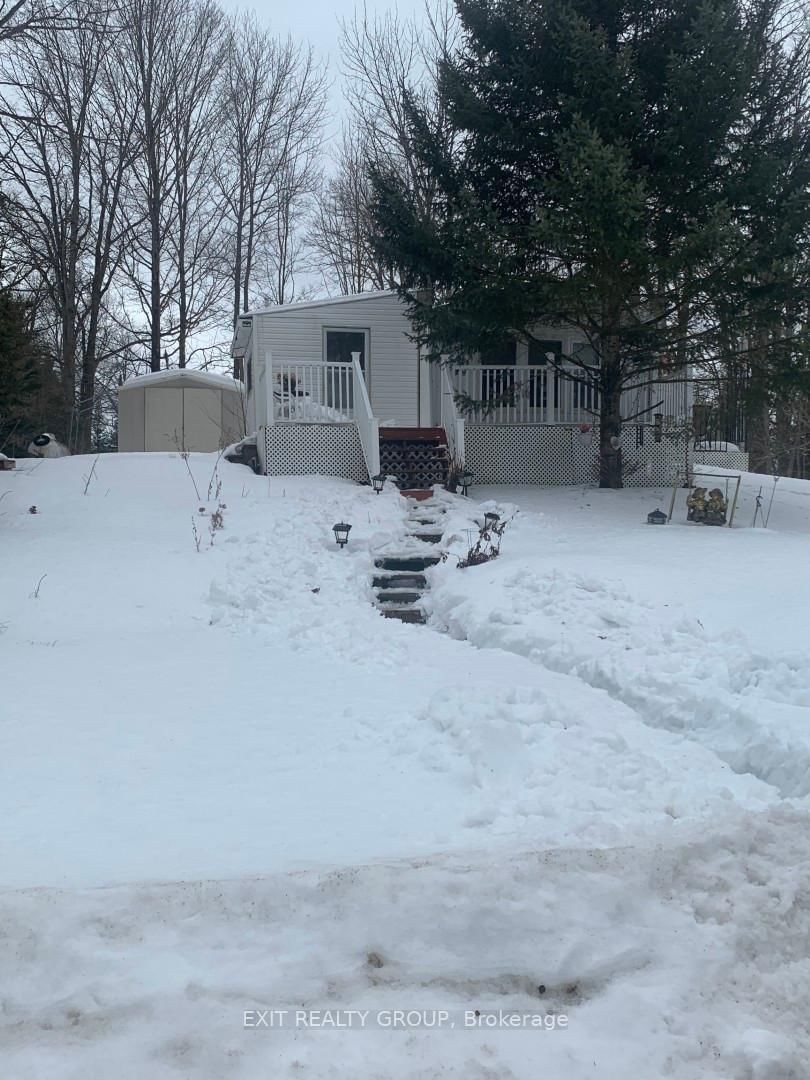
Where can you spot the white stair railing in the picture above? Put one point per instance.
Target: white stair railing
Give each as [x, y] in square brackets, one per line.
[452, 423]
[367, 426]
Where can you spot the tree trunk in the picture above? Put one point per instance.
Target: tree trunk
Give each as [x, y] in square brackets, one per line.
[757, 409]
[610, 416]
[154, 289]
[86, 399]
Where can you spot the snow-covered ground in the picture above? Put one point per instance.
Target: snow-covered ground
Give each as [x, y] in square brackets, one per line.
[228, 786]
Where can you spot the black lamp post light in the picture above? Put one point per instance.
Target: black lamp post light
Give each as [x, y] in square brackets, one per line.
[341, 531]
[465, 479]
[378, 482]
[657, 517]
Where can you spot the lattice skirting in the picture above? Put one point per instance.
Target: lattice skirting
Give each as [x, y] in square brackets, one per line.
[723, 459]
[546, 454]
[519, 453]
[324, 449]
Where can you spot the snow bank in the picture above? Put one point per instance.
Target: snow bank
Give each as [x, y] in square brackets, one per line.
[749, 705]
[683, 959]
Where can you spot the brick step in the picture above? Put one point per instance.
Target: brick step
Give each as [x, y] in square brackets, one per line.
[406, 562]
[420, 494]
[398, 596]
[393, 580]
[428, 538]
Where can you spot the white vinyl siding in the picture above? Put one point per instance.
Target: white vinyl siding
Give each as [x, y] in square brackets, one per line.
[392, 373]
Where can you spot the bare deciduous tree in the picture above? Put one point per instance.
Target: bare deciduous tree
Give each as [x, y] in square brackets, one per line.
[340, 230]
[146, 56]
[196, 243]
[274, 97]
[65, 155]
[387, 62]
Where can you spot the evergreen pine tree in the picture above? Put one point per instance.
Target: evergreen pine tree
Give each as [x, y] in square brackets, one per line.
[24, 374]
[592, 188]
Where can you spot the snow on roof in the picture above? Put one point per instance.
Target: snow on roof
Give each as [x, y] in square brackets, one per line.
[194, 375]
[352, 298]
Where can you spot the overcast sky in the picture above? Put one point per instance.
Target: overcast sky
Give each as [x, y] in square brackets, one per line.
[316, 21]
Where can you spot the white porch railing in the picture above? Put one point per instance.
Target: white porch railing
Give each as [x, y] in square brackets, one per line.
[544, 395]
[452, 423]
[367, 426]
[309, 391]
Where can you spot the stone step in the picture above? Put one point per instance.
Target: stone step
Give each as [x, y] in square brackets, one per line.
[428, 537]
[408, 614]
[406, 562]
[398, 596]
[394, 580]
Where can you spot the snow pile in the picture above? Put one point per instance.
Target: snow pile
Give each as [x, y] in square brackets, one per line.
[229, 786]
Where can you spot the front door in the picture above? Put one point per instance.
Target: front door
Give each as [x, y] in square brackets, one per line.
[338, 346]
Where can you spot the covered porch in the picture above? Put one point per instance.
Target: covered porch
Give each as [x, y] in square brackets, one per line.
[532, 394]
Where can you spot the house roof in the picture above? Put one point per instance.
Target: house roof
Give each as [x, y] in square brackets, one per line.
[304, 304]
[193, 376]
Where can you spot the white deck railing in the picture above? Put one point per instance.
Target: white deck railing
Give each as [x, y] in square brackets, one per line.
[451, 421]
[309, 391]
[368, 426]
[542, 395]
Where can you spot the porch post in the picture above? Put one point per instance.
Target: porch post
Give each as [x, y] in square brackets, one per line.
[269, 411]
[425, 404]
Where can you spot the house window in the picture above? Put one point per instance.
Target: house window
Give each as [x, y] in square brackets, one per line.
[340, 344]
[539, 351]
[498, 386]
[584, 354]
[499, 353]
[585, 396]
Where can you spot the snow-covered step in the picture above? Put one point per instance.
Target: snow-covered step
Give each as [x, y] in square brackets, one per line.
[407, 560]
[404, 614]
[399, 596]
[395, 580]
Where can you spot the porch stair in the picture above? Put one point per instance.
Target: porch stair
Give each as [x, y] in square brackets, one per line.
[417, 457]
[399, 579]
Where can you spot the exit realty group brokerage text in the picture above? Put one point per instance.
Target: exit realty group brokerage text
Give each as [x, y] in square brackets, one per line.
[401, 1018]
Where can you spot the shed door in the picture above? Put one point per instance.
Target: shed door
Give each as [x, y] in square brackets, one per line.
[163, 418]
[202, 416]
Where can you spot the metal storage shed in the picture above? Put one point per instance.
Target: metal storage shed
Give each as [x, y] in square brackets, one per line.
[180, 409]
